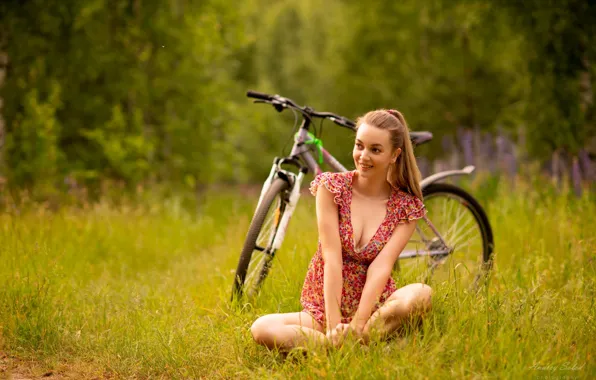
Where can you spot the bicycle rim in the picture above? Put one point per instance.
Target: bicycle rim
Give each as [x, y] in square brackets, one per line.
[461, 228]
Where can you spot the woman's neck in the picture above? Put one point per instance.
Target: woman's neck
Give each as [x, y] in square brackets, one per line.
[373, 188]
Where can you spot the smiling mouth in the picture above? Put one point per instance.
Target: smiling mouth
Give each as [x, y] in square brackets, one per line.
[366, 166]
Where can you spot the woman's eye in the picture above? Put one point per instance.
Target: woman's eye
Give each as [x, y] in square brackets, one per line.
[360, 146]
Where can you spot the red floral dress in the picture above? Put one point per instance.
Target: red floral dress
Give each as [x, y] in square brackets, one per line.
[401, 206]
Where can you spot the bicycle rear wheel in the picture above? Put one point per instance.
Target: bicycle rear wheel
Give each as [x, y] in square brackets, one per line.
[461, 253]
[257, 252]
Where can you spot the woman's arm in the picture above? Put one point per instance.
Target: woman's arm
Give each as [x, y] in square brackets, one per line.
[328, 224]
[379, 271]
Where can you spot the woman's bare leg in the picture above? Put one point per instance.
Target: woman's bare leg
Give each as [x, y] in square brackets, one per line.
[288, 330]
[410, 302]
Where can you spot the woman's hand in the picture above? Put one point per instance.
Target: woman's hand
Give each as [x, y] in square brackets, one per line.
[343, 329]
[356, 330]
[335, 336]
[338, 335]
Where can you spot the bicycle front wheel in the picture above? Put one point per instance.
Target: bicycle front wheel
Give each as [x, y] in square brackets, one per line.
[456, 247]
[257, 252]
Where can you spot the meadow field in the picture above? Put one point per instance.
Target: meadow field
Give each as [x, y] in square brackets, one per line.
[141, 290]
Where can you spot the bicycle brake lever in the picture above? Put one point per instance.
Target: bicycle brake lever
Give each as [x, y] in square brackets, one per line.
[278, 106]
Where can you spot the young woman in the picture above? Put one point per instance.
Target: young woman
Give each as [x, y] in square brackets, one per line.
[365, 218]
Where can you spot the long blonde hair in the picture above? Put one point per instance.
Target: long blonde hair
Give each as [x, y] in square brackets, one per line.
[404, 174]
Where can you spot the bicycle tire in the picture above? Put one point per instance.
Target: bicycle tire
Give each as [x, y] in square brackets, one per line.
[464, 198]
[277, 190]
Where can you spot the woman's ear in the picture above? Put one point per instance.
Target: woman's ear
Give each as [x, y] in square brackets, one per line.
[396, 154]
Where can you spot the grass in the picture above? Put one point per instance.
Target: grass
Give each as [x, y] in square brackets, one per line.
[121, 291]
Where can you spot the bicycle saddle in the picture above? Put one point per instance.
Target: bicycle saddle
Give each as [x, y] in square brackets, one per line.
[420, 137]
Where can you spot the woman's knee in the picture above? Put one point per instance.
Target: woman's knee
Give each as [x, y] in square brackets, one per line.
[260, 329]
[423, 298]
[264, 328]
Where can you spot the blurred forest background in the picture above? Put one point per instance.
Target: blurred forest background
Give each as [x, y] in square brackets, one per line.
[149, 93]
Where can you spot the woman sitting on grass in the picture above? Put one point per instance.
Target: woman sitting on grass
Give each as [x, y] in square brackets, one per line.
[365, 219]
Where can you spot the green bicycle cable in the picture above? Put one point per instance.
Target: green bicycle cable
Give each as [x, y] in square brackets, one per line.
[316, 142]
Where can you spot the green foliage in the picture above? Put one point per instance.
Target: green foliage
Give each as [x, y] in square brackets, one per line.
[144, 84]
[560, 54]
[154, 91]
[126, 152]
[33, 150]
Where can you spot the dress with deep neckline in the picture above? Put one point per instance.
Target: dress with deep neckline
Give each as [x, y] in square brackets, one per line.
[401, 207]
[351, 193]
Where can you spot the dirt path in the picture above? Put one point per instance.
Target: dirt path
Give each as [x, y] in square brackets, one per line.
[13, 368]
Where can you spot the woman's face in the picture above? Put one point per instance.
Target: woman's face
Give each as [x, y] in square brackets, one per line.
[373, 153]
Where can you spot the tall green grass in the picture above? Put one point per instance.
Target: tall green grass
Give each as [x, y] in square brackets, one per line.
[142, 291]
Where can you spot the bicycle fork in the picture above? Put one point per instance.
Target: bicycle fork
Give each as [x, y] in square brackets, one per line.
[280, 234]
[296, 182]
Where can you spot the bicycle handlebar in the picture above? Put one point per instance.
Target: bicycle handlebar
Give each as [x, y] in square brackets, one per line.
[279, 102]
[258, 95]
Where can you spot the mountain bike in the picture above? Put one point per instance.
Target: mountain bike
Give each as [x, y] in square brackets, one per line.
[453, 246]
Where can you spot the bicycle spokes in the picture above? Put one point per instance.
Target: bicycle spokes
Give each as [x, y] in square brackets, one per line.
[446, 247]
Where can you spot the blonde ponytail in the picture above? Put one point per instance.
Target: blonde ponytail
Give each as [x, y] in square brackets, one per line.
[407, 170]
[404, 173]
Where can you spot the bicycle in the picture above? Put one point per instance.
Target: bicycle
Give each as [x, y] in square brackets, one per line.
[453, 240]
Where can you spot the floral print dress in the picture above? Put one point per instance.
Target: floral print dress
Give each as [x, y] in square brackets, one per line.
[401, 207]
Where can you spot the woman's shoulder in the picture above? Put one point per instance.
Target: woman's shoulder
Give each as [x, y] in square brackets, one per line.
[407, 206]
[337, 178]
[335, 182]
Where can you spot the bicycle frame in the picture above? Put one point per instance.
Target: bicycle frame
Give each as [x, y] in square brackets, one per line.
[301, 156]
